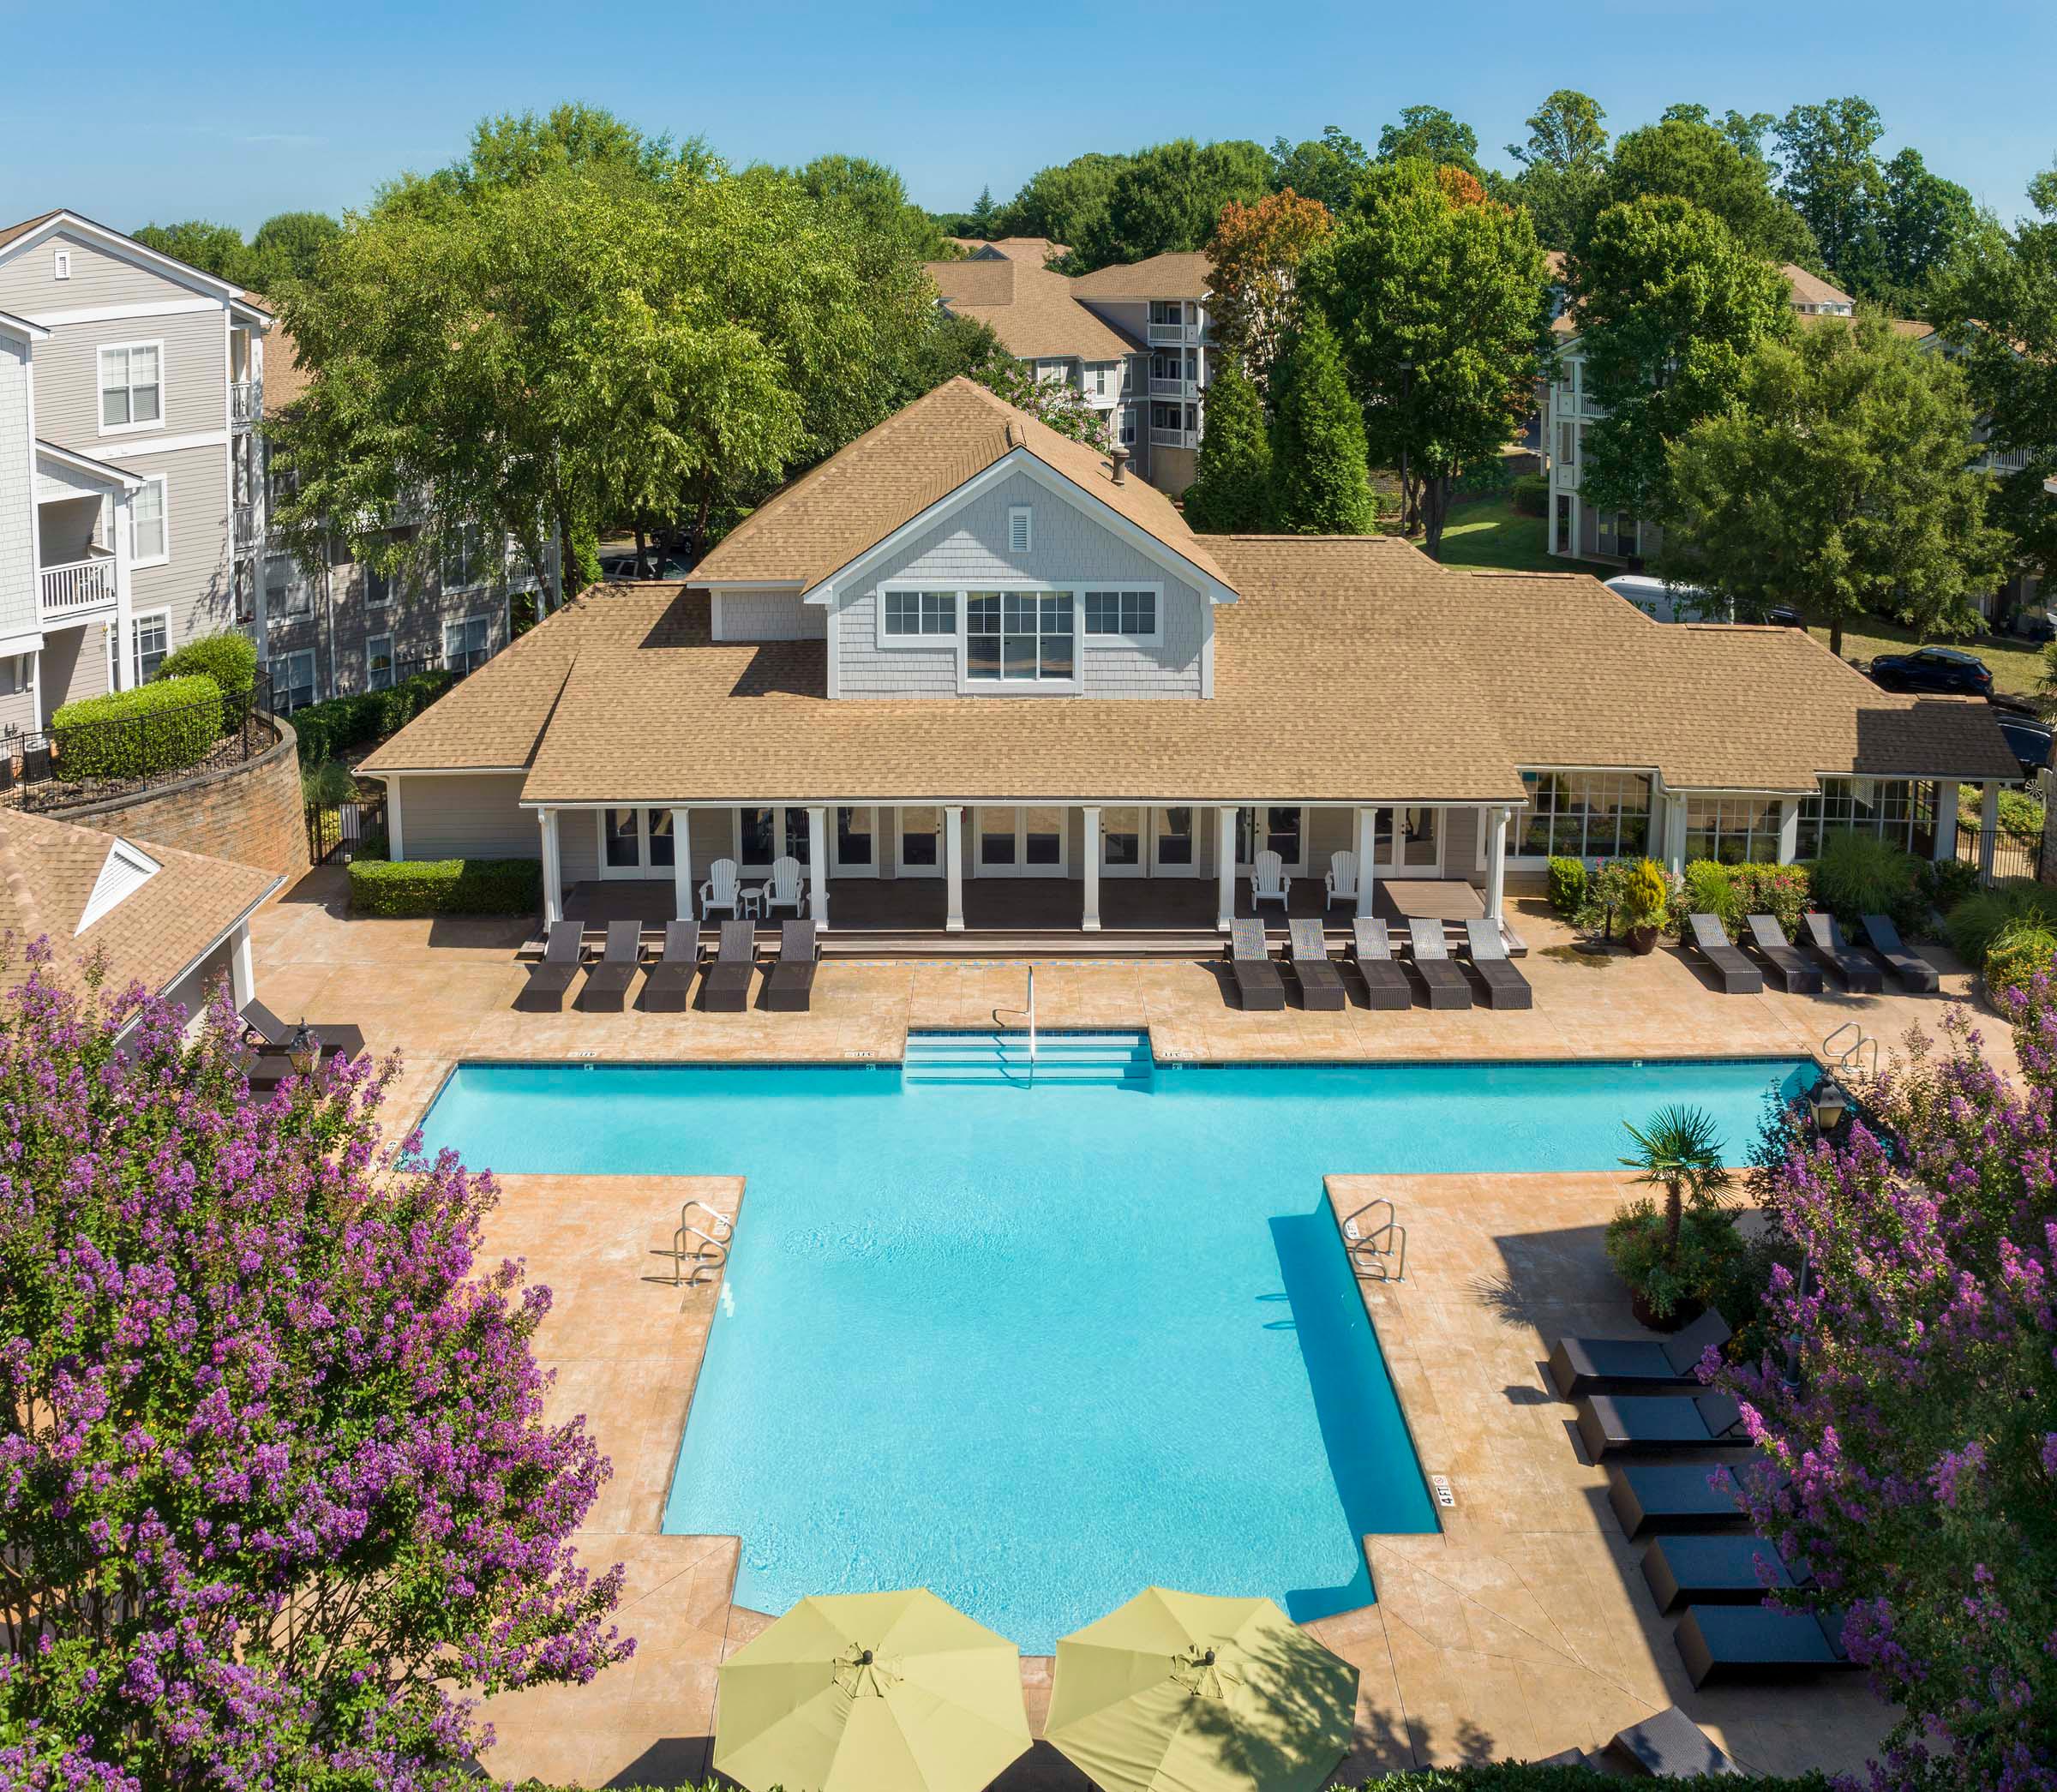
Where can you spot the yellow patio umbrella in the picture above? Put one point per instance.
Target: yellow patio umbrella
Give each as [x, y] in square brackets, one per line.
[1186, 1693]
[871, 1693]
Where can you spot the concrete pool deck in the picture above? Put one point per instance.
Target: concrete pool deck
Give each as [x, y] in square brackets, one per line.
[1524, 1628]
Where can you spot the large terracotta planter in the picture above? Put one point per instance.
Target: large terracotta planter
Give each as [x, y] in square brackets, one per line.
[1642, 941]
[1681, 1316]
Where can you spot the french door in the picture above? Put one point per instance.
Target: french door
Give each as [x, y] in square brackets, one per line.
[1280, 827]
[920, 828]
[1124, 841]
[1407, 842]
[1028, 841]
[1175, 843]
[636, 843]
[854, 843]
[762, 835]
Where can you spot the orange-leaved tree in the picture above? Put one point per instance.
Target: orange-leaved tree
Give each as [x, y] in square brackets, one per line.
[1254, 252]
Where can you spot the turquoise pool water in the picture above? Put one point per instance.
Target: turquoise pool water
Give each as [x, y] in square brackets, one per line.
[1037, 1349]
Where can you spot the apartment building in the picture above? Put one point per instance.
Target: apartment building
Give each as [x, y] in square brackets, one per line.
[1133, 338]
[131, 499]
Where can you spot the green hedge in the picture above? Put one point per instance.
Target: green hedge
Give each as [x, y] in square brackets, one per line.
[231, 659]
[329, 729]
[1532, 494]
[413, 887]
[158, 727]
[1567, 887]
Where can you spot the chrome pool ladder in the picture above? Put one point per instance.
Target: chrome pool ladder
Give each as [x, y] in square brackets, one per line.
[1850, 1059]
[1378, 1251]
[697, 1249]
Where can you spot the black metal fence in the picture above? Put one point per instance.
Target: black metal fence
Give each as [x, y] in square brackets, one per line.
[343, 829]
[2014, 855]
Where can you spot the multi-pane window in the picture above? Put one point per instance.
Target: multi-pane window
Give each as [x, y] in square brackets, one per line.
[152, 643]
[147, 521]
[1619, 537]
[464, 644]
[1019, 635]
[464, 560]
[1733, 830]
[921, 612]
[378, 663]
[131, 387]
[1586, 815]
[293, 680]
[1121, 613]
[286, 592]
[1901, 810]
[1101, 378]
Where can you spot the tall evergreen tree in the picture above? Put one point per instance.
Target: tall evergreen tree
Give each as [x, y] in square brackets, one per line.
[1321, 480]
[983, 215]
[1231, 493]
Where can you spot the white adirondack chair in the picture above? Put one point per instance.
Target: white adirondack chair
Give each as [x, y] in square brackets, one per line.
[720, 890]
[1268, 880]
[788, 888]
[1342, 878]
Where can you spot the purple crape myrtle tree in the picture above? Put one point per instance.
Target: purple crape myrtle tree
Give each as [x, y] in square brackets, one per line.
[1911, 1415]
[278, 1502]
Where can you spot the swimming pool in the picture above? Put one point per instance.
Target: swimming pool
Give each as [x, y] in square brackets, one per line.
[1036, 1349]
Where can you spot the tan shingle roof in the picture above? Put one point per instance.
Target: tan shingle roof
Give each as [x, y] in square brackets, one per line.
[13, 231]
[1176, 276]
[285, 379]
[1809, 289]
[893, 472]
[1038, 250]
[47, 871]
[1033, 311]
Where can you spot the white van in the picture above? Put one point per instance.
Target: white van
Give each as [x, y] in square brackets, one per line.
[1670, 604]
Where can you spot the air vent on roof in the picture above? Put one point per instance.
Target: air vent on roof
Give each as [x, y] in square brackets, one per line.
[1018, 531]
[60, 267]
[125, 870]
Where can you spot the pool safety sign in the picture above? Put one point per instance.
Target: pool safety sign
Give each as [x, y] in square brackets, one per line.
[1440, 1486]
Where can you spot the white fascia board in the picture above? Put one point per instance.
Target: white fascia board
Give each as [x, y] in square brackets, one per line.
[102, 472]
[165, 444]
[21, 329]
[126, 248]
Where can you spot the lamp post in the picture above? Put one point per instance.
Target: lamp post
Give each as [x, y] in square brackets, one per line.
[1826, 1106]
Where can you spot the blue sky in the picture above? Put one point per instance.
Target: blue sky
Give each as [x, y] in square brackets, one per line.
[234, 113]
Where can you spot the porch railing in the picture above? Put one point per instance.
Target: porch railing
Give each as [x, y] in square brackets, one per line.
[83, 585]
[248, 527]
[2014, 855]
[246, 401]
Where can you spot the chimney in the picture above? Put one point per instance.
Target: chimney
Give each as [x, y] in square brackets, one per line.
[1121, 464]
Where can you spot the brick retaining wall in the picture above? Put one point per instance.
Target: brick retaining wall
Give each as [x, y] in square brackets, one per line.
[249, 812]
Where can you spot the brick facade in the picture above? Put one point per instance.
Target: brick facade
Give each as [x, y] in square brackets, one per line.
[251, 813]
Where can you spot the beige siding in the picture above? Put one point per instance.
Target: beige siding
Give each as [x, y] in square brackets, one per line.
[577, 847]
[194, 586]
[18, 697]
[1462, 829]
[29, 285]
[770, 616]
[74, 665]
[193, 369]
[19, 604]
[472, 817]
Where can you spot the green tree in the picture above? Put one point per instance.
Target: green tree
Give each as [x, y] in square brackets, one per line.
[215, 248]
[1065, 203]
[1563, 165]
[1920, 224]
[1168, 197]
[1830, 174]
[289, 247]
[984, 214]
[1721, 171]
[1837, 483]
[514, 148]
[1669, 307]
[1429, 134]
[877, 197]
[1327, 167]
[1679, 1151]
[1440, 310]
[1321, 481]
[1253, 299]
[1230, 492]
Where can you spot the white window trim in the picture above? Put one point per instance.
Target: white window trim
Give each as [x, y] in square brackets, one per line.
[282, 684]
[478, 583]
[135, 638]
[100, 352]
[163, 482]
[920, 638]
[1154, 638]
[296, 580]
[1025, 514]
[59, 265]
[465, 622]
[371, 642]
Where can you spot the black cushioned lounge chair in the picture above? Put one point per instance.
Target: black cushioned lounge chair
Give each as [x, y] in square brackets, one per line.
[1748, 1642]
[551, 978]
[1670, 1746]
[1676, 1496]
[1717, 1571]
[1385, 985]
[1505, 985]
[1321, 983]
[1736, 974]
[789, 980]
[669, 987]
[1442, 979]
[1859, 974]
[726, 987]
[1657, 1425]
[1914, 971]
[1259, 985]
[607, 982]
[1795, 976]
[1633, 1365]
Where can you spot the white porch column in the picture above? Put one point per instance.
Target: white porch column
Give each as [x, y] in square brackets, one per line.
[553, 869]
[1495, 865]
[1089, 920]
[1988, 828]
[124, 601]
[953, 869]
[1675, 833]
[1224, 868]
[1367, 834]
[681, 864]
[1945, 820]
[242, 976]
[818, 863]
[396, 842]
[1788, 830]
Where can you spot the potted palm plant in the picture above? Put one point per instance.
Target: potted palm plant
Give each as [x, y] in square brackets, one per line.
[1668, 1256]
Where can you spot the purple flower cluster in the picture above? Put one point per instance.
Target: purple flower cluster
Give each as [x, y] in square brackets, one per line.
[1913, 1435]
[277, 1501]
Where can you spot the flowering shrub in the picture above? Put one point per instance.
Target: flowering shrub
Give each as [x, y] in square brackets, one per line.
[1917, 1421]
[274, 1477]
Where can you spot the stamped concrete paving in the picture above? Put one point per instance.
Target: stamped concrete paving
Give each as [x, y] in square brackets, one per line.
[1523, 1628]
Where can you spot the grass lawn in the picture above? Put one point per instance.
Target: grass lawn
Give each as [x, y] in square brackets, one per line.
[2015, 665]
[1491, 532]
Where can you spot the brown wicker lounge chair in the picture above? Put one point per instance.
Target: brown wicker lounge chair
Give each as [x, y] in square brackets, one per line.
[1735, 974]
[1661, 1424]
[1797, 977]
[1859, 974]
[607, 980]
[1634, 1365]
[551, 978]
[789, 980]
[1441, 976]
[1259, 985]
[1914, 971]
[1321, 983]
[1505, 985]
[726, 987]
[669, 986]
[1385, 985]
[1717, 1571]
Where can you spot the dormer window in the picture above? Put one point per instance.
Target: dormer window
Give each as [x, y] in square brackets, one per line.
[60, 265]
[1020, 530]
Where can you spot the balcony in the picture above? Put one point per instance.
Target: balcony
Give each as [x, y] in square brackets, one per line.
[77, 590]
[1174, 388]
[1174, 438]
[246, 402]
[2009, 460]
[1173, 335]
[248, 521]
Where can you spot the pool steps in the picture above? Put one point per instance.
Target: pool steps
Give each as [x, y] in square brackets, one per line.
[1120, 1060]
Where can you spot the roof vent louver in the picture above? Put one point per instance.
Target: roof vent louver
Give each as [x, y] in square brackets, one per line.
[125, 870]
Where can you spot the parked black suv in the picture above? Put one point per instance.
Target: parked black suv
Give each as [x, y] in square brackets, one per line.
[1945, 671]
[2030, 741]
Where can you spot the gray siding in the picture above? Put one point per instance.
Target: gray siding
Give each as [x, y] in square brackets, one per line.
[476, 816]
[1461, 837]
[577, 847]
[28, 282]
[19, 602]
[193, 369]
[194, 585]
[18, 697]
[771, 616]
[74, 665]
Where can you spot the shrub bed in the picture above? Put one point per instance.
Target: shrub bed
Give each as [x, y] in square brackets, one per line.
[1532, 494]
[2025, 949]
[1976, 923]
[158, 727]
[1735, 892]
[1860, 874]
[1567, 887]
[231, 659]
[414, 887]
[327, 730]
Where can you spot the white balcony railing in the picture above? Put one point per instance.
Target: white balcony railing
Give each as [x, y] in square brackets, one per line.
[1565, 476]
[248, 522]
[1178, 333]
[85, 585]
[2008, 460]
[1174, 438]
[246, 401]
[1174, 388]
